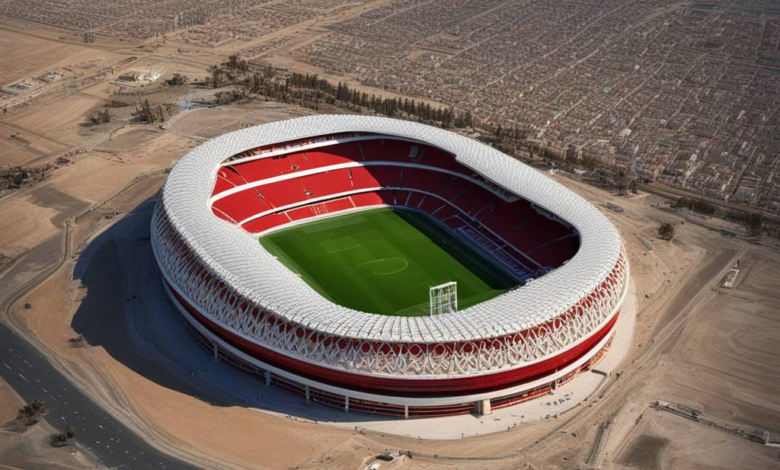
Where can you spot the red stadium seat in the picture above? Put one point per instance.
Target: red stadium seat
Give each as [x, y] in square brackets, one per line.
[491, 217]
[242, 205]
[265, 223]
[264, 168]
[366, 199]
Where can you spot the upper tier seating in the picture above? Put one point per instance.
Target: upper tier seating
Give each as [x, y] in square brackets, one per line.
[385, 149]
[516, 231]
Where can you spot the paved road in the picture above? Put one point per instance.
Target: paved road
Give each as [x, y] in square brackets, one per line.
[32, 376]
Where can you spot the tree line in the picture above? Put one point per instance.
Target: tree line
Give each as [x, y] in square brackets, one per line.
[752, 221]
[314, 92]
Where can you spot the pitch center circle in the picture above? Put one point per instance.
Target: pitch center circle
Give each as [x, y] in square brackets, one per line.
[387, 266]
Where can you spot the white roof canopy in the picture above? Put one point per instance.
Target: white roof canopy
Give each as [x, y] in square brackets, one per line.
[241, 261]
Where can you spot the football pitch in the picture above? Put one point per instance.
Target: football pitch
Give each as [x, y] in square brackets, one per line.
[384, 261]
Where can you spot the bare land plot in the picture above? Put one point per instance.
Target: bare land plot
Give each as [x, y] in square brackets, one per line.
[28, 225]
[9, 403]
[24, 56]
[666, 441]
[18, 147]
[58, 119]
[205, 123]
[96, 176]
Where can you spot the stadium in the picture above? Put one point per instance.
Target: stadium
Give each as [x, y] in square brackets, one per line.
[387, 267]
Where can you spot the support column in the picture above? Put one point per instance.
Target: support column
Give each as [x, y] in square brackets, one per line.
[267, 378]
[216, 351]
[483, 407]
[406, 411]
[346, 404]
[308, 394]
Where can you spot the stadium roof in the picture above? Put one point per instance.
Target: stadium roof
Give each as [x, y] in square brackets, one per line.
[241, 261]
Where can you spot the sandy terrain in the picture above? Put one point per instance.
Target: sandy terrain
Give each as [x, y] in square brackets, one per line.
[23, 56]
[205, 123]
[98, 175]
[9, 403]
[38, 134]
[18, 147]
[59, 119]
[32, 224]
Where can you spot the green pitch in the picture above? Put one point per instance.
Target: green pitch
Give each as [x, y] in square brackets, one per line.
[384, 261]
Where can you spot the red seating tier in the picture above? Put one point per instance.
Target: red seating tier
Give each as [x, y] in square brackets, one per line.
[264, 223]
[257, 170]
[504, 217]
[324, 184]
[283, 193]
[517, 222]
[222, 184]
[339, 205]
[366, 199]
[242, 205]
[415, 200]
[453, 188]
[430, 204]
[556, 253]
[305, 212]
[474, 199]
[431, 156]
[326, 157]
[231, 175]
[374, 176]
[385, 149]
[431, 181]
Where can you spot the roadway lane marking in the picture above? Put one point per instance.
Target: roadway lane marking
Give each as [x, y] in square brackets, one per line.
[20, 375]
[7, 366]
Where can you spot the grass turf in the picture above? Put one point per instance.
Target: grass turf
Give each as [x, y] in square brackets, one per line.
[384, 261]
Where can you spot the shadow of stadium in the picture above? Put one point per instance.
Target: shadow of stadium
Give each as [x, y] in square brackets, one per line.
[103, 317]
[126, 311]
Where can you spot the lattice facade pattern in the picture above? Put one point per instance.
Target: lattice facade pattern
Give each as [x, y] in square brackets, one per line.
[190, 276]
[225, 272]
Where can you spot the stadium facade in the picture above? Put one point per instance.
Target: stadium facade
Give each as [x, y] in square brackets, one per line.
[251, 310]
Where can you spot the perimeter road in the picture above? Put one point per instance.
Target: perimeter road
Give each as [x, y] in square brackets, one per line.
[32, 376]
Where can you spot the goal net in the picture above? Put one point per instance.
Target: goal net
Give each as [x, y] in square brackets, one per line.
[444, 298]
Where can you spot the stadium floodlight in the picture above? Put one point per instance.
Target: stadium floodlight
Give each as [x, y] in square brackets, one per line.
[444, 298]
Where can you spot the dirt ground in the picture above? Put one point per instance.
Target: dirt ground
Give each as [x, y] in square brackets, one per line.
[23, 55]
[205, 123]
[9, 403]
[32, 224]
[98, 175]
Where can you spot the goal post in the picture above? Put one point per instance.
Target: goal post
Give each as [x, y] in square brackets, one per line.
[444, 298]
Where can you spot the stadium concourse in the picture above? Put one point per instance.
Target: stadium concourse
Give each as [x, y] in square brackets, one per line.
[544, 272]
